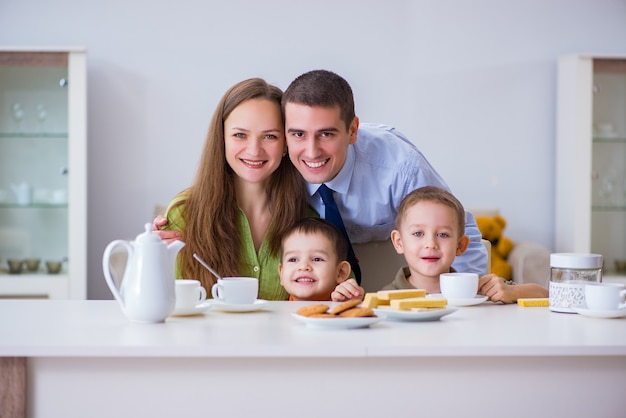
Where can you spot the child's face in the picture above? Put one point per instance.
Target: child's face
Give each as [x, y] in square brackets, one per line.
[429, 238]
[309, 268]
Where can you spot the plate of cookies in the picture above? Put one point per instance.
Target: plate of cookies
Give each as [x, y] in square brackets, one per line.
[346, 315]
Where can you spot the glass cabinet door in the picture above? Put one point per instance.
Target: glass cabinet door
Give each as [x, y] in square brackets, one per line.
[608, 180]
[590, 214]
[41, 130]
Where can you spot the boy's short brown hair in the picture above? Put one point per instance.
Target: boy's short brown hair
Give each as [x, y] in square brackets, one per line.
[432, 194]
[320, 226]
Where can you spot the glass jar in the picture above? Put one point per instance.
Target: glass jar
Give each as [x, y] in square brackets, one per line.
[568, 274]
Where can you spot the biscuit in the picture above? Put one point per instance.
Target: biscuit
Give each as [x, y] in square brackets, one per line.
[400, 294]
[533, 302]
[419, 303]
[323, 315]
[357, 312]
[370, 300]
[309, 310]
[344, 306]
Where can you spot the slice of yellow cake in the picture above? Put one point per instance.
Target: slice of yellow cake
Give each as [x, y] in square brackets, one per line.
[419, 303]
[370, 301]
[527, 302]
[400, 294]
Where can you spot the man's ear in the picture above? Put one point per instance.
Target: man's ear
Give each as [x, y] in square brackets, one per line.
[396, 240]
[462, 245]
[354, 129]
[343, 271]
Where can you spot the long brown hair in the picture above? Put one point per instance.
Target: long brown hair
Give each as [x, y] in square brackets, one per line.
[209, 207]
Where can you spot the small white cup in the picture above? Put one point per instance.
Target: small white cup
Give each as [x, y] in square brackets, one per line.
[458, 285]
[236, 290]
[605, 296]
[189, 294]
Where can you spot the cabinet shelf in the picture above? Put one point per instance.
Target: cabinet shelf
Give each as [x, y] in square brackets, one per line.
[608, 208]
[34, 135]
[33, 206]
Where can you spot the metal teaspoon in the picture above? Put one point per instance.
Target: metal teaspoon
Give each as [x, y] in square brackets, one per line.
[206, 266]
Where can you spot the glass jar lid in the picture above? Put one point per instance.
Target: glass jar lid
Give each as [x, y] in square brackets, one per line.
[576, 260]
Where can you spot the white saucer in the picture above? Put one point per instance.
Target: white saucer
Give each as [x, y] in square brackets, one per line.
[196, 310]
[339, 322]
[476, 300]
[417, 316]
[258, 305]
[583, 310]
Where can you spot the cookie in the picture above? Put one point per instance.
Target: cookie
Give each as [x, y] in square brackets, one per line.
[357, 312]
[344, 306]
[323, 315]
[309, 310]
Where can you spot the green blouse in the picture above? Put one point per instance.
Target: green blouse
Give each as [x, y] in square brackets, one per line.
[263, 265]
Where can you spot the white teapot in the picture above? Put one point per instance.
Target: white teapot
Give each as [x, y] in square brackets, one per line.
[146, 293]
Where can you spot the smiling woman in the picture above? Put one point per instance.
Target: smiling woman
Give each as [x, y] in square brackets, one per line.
[245, 194]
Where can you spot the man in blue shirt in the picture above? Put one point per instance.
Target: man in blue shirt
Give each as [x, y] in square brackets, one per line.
[369, 168]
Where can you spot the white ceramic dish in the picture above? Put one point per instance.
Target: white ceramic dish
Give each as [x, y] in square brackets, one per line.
[339, 322]
[417, 316]
[476, 300]
[583, 310]
[258, 305]
[196, 310]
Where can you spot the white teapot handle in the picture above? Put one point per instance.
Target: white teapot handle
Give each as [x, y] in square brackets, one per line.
[106, 266]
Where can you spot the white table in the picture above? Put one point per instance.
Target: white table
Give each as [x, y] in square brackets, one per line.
[84, 358]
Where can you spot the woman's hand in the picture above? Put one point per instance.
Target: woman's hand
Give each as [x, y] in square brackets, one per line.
[167, 236]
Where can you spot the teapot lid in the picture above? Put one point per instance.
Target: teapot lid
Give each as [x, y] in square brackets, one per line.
[147, 236]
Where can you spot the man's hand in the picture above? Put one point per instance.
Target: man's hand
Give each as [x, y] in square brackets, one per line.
[167, 236]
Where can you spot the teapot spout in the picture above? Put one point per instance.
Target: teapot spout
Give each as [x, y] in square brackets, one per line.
[172, 251]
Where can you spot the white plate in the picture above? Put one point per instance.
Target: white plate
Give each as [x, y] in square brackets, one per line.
[258, 305]
[583, 310]
[196, 310]
[430, 315]
[476, 300]
[339, 322]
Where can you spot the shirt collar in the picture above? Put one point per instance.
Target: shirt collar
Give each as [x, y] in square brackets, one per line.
[341, 182]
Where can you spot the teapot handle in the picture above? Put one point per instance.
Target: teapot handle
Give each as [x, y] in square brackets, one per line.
[106, 266]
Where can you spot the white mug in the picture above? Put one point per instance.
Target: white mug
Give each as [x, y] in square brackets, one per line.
[236, 290]
[189, 293]
[605, 296]
[458, 285]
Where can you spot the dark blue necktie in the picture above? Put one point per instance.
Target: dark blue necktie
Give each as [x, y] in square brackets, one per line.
[333, 216]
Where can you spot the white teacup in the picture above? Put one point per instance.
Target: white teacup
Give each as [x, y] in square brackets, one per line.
[458, 285]
[189, 294]
[236, 290]
[605, 296]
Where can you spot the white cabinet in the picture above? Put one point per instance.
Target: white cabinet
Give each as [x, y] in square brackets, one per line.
[43, 193]
[591, 157]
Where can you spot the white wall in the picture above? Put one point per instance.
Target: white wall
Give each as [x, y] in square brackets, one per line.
[471, 82]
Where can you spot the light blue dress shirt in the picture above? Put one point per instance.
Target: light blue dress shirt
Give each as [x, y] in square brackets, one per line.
[382, 167]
